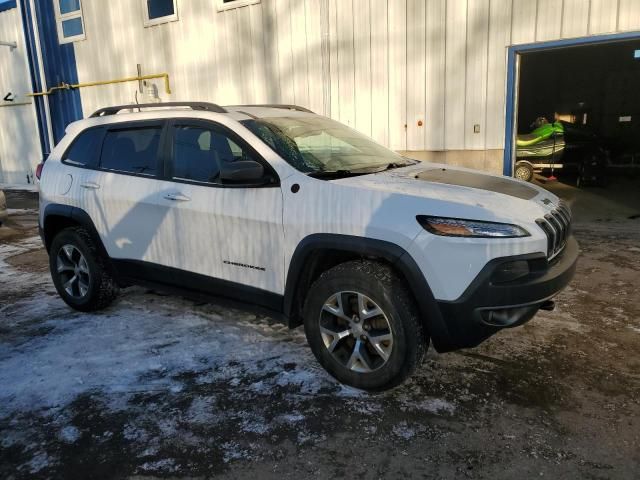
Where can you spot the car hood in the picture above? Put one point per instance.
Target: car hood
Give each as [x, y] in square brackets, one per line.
[461, 191]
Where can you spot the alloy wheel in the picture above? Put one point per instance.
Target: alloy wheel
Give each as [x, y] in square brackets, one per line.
[356, 331]
[73, 270]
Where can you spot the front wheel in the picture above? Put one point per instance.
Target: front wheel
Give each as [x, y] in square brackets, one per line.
[363, 326]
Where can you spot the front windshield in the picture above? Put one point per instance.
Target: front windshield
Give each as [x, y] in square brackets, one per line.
[317, 144]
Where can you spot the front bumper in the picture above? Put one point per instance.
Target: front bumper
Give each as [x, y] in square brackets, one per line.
[487, 306]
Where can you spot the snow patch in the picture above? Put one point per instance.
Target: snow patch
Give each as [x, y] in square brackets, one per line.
[165, 465]
[38, 462]
[69, 434]
[403, 431]
[233, 451]
[436, 406]
[292, 417]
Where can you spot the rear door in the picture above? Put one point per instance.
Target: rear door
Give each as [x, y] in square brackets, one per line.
[124, 192]
[229, 232]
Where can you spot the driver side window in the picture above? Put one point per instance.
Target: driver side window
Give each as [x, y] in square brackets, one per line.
[199, 152]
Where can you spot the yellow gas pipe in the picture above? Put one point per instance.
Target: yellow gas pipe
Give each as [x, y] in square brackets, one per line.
[67, 86]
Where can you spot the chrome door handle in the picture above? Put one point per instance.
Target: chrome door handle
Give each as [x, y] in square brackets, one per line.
[90, 185]
[177, 197]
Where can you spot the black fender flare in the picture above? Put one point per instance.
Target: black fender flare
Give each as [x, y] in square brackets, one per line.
[395, 255]
[78, 216]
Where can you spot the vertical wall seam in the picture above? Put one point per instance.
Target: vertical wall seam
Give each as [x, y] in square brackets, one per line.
[306, 50]
[486, 75]
[466, 66]
[370, 75]
[276, 43]
[337, 47]
[444, 79]
[511, 23]
[326, 56]
[535, 25]
[388, 78]
[406, 90]
[425, 122]
[353, 57]
[293, 65]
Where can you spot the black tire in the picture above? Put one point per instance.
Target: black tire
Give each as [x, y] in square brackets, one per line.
[102, 288]
[380, 284]
[523, 171]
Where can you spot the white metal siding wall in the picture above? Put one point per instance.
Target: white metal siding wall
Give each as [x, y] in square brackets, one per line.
[19, 143]
[390, 63]
[377, 65]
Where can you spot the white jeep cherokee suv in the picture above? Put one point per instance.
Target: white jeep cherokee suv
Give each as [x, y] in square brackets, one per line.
[297, 214]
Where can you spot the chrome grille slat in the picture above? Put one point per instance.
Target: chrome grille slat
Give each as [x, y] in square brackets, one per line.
[557, 227]
[564, 216]
[555, 239]
[563, 227]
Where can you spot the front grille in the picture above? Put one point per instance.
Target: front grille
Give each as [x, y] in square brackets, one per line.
[557, 226]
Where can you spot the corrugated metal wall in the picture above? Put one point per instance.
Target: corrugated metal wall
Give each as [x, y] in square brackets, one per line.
[377, 65]
[19, 143]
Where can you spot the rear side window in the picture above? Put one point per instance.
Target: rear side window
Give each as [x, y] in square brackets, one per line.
[132, 150]
[85, 148]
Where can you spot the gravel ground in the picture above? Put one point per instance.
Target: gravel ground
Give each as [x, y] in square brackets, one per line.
[157, 386]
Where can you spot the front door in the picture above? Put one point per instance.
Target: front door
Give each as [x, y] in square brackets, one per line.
[228, 232]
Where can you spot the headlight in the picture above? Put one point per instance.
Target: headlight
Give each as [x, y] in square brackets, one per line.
[457, 227]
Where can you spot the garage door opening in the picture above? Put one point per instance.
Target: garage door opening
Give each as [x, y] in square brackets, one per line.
[577, 117]
[578, 113]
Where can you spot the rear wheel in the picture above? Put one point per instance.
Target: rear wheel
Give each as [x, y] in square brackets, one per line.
[79, 272]
[363, 326]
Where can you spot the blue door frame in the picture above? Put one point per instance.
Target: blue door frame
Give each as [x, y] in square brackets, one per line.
[512, 56]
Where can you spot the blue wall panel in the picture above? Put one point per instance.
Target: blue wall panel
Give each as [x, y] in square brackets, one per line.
[59, 64]
[36, 83]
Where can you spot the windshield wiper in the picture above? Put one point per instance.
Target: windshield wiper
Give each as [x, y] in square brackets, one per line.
[333, 173]
[393, 165]
[358, 171]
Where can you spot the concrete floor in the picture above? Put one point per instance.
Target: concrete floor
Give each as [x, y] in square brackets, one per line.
[158, 386]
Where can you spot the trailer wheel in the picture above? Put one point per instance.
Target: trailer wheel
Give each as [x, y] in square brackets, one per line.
[523, 171]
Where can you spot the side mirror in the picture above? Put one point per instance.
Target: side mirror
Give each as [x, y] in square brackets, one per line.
[242, 171]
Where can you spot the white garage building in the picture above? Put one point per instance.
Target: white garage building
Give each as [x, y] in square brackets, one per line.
[437, 78]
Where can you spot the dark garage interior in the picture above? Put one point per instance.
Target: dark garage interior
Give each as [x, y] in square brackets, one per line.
[593, 92]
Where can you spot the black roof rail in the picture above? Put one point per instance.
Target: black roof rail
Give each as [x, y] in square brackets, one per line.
[209, 107]
[278, 105]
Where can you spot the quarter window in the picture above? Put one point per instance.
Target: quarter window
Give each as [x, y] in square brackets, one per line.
[132, 150]
[198, 153]
[159, 11]
[84, 148]
[69, 20]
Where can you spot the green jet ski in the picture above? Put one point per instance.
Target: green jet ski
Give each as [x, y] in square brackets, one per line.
[560, 145]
